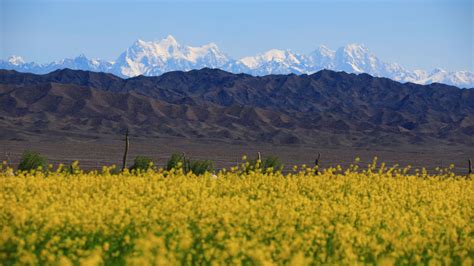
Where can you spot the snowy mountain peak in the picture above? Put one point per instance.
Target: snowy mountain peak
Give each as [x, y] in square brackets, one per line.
[278, 55]
[139, 43]
[16, 60]
[153, 58]
[355, 58]
[211, 46]
[355, 52]
[274, 61]
[437, 70]
[153, 50]
[169, 40]
[80, 59]
[168, 44]
[273, 55]
[157, 57]
[321, 58]
[324, 51]
[208, 52]
[355, 48]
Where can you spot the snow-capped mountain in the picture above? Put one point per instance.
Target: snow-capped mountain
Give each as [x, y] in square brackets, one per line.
[16, 60]
[81, 62]
[441, 76]
[155, 58]
[152, 58]
[356, 58]
[271, 62]
[322, 58]
[17, 63]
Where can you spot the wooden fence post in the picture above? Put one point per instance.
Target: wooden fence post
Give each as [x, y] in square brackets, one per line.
[185, 170]
[316, 163]
[469, 172]
[124, 162]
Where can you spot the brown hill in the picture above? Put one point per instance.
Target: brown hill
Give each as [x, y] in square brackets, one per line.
[324, 108]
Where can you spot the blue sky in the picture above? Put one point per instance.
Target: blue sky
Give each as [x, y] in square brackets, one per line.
[415, 34]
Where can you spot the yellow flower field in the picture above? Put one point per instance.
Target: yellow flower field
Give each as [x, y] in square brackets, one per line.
[352, 216]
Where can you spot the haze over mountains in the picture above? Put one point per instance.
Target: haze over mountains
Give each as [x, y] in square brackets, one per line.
[157, 57]
[325, 108]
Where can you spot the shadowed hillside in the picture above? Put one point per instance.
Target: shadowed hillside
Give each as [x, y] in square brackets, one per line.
[330, 108]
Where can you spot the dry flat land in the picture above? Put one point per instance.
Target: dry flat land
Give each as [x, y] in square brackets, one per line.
[106, 150]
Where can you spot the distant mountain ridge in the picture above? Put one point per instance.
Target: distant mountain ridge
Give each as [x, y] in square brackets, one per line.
[157, 57]
[325, 108]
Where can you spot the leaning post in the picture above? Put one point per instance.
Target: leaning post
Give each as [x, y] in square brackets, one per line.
[124, 162]
[469, 171]
[259, 160]
[185, 170]
[316, 163]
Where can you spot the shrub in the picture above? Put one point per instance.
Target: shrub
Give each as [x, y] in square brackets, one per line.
[142, 163]
[174, 161]
[270, 162]
[197, 167]
[31, 160]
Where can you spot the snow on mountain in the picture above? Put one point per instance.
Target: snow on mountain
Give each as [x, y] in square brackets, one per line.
[273, 62]
[16, 60]
[356, 58]
[81, 62]
[322, 58]
[152, 58]
[458, 78]
[17, 63]
[155, 58]
[207, 55]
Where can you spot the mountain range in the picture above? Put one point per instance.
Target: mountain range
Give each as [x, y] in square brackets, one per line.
[325, 108]
[153, 58]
